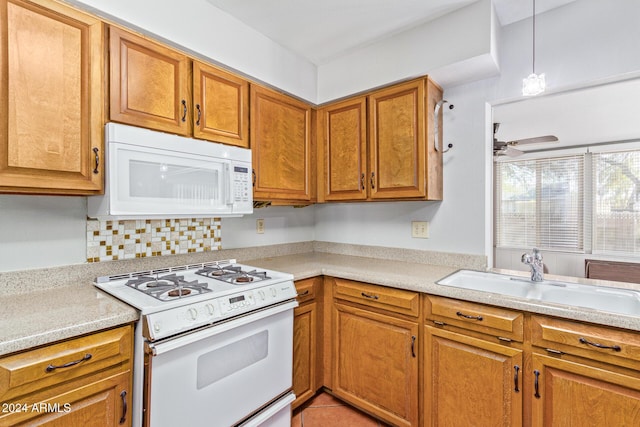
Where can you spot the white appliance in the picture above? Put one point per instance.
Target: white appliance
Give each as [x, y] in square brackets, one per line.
[214, 345]
[152, 174]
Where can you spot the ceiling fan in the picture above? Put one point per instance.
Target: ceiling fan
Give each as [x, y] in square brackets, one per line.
[502, 148]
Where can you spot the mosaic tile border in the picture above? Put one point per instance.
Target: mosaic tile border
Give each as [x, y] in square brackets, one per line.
[129, 239]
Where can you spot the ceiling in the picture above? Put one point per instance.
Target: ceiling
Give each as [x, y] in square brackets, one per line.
[323, 30]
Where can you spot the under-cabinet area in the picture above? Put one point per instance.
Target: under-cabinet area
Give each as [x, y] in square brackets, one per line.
[415, 359]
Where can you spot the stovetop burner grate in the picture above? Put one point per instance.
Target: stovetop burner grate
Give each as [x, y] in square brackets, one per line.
[167, 287]
[232, 274]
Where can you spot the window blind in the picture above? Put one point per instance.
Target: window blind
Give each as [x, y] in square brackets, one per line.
[616, 187]
[539, 203]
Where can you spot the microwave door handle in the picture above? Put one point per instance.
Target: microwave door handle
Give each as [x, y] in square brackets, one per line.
[228, 182]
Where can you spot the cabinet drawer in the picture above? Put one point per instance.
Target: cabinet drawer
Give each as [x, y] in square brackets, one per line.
[476, 317]
[595, 342]
[306, 289]
[58, 363]
[391, 299]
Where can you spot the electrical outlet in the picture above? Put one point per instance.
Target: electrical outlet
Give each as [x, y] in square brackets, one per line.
[420, 229]
[260, 226]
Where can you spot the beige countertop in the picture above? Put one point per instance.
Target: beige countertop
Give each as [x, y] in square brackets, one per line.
[31, 318]
[423, 278]
[42, 317]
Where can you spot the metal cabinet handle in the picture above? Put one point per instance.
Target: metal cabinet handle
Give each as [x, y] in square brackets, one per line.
[413, 345]
[52, 368]
[602, 346]
[184, 110]
[373, 182]
[515, 378]
[362, 181]
[468, 316]
[536, 385]
[369, 296]
[253, 173]
[95, 152]
[436, 125]
[123, 395]
[199, 114]
[304, 293]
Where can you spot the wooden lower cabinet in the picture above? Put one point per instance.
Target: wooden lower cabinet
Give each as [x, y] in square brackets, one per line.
[375, 363]
[305, 354]
[470, 381]
[570, 393]
[84, 381]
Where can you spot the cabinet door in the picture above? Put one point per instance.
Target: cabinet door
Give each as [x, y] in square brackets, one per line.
[221, 102]
[376, 364]
[576, 394]
[50, 99]
[281, 146]
[343, 134]
[304, 352]
[149, 84]
[470, 382]
[397, 141]
[103, 403]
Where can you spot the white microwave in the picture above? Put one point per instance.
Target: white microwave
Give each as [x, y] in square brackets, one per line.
[151, 174]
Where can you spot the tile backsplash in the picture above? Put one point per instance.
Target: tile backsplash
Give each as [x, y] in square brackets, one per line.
[128, 239]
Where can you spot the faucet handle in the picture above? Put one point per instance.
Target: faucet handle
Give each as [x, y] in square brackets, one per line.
[526, 258]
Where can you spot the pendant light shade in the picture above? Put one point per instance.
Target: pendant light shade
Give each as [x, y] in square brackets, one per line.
[533, 84]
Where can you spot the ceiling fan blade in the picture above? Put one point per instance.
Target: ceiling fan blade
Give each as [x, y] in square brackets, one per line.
[512, 152]
[537, 139]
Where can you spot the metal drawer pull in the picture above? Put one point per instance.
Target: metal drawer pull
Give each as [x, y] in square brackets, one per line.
[123, 395]
[51, 368]
[413, 345]
[369, 296]
[467, 316]
[602, 346]
[362, 181]
[304, 293]
[373, 182]
[199, 114]
[515, 378]
[535, 384]
[96, 151]
[184, 110]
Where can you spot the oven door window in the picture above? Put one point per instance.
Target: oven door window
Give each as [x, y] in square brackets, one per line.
[221, 377]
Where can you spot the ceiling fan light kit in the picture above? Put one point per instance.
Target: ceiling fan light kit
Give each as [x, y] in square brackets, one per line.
[533, 84]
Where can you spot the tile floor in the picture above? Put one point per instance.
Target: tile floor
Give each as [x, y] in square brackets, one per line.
[324, 410]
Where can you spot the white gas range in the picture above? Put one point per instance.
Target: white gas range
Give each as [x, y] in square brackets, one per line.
[214, 344]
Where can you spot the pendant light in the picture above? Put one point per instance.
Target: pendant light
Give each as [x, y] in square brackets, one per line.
[534, 84]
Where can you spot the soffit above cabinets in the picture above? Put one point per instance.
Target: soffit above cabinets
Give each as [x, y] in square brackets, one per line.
[324, 30]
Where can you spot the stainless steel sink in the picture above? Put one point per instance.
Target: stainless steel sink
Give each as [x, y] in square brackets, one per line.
[613, 300]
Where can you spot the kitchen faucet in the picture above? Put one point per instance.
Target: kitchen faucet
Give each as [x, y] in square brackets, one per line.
[534, 260]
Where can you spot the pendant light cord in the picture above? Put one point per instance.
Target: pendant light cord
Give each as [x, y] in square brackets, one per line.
[534, 37]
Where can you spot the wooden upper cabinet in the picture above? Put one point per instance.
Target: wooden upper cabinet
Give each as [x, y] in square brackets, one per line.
[343, 132]
[382, 146]
[149, 84]
[221, 102]
[401, 165]
[281, 146]
[51, 87]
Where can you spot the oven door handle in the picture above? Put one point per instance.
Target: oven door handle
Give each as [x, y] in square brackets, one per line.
[156, 349]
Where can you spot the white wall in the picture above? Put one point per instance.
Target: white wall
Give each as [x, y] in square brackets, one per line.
[582, 41]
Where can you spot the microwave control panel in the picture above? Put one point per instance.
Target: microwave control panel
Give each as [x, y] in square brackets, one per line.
[242, 190]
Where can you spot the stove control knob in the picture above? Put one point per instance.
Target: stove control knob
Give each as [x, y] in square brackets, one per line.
[273, 292]
[210, 309]
[156, 327]
[193, 313]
